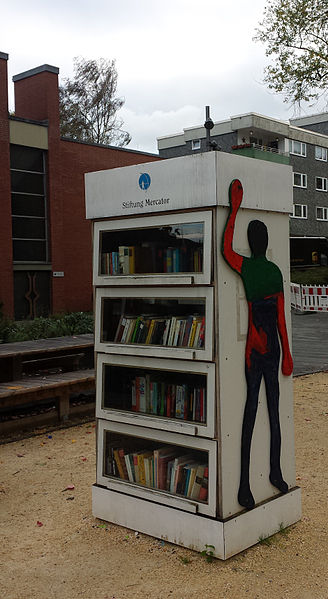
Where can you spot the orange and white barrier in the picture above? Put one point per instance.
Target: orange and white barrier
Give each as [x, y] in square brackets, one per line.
[309, 298]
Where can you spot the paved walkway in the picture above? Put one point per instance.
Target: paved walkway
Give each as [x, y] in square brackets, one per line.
[310, 342]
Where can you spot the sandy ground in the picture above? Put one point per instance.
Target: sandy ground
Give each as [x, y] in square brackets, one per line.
[52, 547]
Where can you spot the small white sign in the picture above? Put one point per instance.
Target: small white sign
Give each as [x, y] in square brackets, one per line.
[58, 273]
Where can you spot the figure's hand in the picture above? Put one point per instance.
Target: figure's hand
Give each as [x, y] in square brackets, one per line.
[235, 194]
[287, 364]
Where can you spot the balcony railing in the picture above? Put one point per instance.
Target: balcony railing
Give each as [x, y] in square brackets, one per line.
[253, 150]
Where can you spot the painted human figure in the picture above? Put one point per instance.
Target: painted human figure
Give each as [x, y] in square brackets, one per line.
[263, 285]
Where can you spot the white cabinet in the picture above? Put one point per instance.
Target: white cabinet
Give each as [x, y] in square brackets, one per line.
[170, 334]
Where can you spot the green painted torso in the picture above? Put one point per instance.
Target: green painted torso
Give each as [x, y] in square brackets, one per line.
[260, 277]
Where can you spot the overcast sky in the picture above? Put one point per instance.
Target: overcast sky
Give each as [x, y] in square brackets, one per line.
[173, 57]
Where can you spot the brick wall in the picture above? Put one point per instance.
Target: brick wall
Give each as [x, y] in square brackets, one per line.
[36, 97]
[6, 276]
[71, 243]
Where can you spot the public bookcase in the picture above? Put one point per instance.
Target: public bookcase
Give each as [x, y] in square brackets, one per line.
[171, 322]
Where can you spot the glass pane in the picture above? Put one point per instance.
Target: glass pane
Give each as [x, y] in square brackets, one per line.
[27, 205]
[163, 393]
[179, 470]
[28, 228]
[29, 251]
[176, 322]
[26, 159]
[167, 249]
[27, 182]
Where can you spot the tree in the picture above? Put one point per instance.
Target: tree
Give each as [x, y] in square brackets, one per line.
[88, 105]
[296, 35]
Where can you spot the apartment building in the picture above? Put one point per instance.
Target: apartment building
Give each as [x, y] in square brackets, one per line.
[302, 143]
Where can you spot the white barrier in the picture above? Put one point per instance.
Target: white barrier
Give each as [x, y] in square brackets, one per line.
[309, 298]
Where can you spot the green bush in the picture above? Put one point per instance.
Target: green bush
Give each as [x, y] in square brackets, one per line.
[59, 325]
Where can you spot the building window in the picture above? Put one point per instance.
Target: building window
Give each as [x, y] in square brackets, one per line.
[322, 213]
[28, 204]
[195, 144]
[299, 211]
[321, 183]
[321, 153]
[300, 180]
[297, 148]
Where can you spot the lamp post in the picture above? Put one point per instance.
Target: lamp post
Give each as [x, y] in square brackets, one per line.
[210, 145]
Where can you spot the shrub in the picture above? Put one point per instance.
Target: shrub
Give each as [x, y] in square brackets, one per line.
[59, 325]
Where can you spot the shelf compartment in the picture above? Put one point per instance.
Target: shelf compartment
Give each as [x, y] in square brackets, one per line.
[162, 247]
[177, 396]
[171, 322]
[164, 467]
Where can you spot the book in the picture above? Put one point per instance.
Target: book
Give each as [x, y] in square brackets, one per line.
[176, 260]
[136, 329]
[150, 331]
[192, 332]
[141, 456]
[122, 459]
[126, 329]
[135, 467]
[166, 331]
[130, 330]
[159, 454]
[168, 267]
[162, 465]
[187, 331]
[141, 386]
[191, 478]
[124, 259]
[179, 461]
[119, 464]
[194, 493]
[128, 467]
[176, 332]
[179, 401]
[203, 492]
[120, 329]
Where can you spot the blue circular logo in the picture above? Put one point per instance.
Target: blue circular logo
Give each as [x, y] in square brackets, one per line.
[144, 181]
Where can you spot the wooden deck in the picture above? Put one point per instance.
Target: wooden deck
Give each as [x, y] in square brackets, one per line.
[38, 380]
[14, 357]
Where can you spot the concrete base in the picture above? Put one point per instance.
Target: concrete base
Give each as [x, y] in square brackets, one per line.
[192, 531]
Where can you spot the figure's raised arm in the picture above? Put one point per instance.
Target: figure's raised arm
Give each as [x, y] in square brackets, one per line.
[235, 197]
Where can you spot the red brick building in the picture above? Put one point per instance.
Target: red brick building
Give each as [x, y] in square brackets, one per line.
[45, 240]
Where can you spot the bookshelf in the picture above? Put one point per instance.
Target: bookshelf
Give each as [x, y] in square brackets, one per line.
[175, 322]
[178, 395]
[170, 332]
[164, 249]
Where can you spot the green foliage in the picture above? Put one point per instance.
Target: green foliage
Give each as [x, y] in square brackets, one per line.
[265, 540]
[185, 560]
[208, 553]
[295, 33]
[318, 275]
[60, 325]
[88, 104]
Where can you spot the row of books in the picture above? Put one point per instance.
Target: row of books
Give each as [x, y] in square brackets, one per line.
[144, 259]
[163, 468]
[152, 396]
[176, 331]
